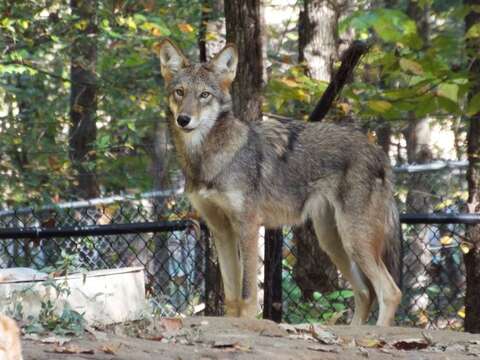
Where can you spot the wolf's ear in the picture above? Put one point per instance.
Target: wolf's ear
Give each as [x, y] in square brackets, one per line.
[171, 59]
[225, 63]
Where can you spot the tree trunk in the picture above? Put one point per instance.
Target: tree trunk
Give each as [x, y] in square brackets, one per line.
[472, 258]
[211, 34]
[244, 28]
[317, 50]
[317, 38]
[83, 98]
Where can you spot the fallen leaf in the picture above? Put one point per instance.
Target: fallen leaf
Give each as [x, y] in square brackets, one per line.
[304, 337]
[410, 344]
[323, 348]
[230, 346]
[59, 340]
[244, 348]
[34, 337]
[370, 343]
[171, 324]
[72, 349]
[110, 348]
[224, 344]
[155, 337]
[323, 335]
[311, 332]
[288, 328]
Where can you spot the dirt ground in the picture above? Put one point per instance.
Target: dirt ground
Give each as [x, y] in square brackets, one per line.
[224, 338]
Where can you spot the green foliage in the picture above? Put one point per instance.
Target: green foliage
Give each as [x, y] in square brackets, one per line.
[292, 92]
[404, 72]
[391, 26]
[35, 88]
[323, 308]
[50, 319]
[68, 322]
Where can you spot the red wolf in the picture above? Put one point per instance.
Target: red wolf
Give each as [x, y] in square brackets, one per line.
[241, 176]
[10, 348]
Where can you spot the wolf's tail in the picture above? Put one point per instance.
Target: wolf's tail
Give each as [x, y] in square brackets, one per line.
[392, 247]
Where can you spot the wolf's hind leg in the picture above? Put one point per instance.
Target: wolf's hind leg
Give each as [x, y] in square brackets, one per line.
[330, 242]
[364, 244]
[248, 244]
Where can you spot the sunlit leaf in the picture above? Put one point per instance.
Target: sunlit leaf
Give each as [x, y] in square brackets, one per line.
[186, 28]
[23, 23]
[211, 36]
[466, 247]
[81, 25]
[473, 32]
[379, 106]
[411, 66]
[449, 91]
[289, 82]
[390, 25]
[446, 240]
[474, 105]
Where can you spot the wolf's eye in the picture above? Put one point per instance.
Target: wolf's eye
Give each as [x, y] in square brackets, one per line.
[179, 92]
[205, 94]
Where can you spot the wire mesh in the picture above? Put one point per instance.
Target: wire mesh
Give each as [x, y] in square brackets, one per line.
[432, 279]
[182, 274]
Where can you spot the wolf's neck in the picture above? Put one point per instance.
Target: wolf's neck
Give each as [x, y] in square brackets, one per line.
[203, 162]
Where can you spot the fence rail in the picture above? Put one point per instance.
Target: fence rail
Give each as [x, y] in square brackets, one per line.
[436, 218]
[94, 230]
[165, 226]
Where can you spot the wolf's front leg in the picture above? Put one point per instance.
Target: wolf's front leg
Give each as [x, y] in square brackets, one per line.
[226, 245]
[248, 241]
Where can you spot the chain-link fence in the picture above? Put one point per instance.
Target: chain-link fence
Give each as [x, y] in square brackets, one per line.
[182, 274]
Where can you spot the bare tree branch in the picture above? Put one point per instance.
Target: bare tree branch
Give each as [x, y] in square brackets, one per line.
[350, 59]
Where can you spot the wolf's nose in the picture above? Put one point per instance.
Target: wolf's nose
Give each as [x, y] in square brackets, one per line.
[183, 120]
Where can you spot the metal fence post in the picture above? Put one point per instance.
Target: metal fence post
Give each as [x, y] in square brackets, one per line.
[272, 303]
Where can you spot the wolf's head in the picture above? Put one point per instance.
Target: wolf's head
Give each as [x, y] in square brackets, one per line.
[197, 93]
